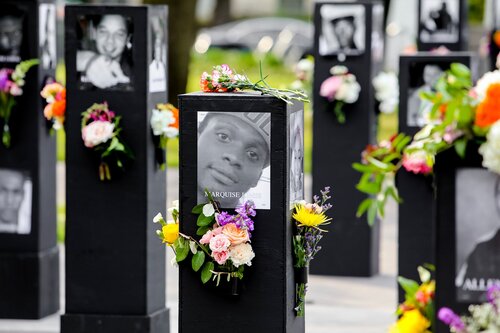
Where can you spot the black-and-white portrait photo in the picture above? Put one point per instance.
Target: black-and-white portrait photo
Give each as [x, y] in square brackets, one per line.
[234, 157]
[378, 33]
[15, 201]
[158, 67]
[342, 29]
[296, 157]
[423, 78]
[11, 33]
[47, 38]
[439, 21]
[104, 56]
[477, 217]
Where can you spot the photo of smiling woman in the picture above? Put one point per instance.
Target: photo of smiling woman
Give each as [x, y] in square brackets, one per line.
[104, 55]
[234, 157]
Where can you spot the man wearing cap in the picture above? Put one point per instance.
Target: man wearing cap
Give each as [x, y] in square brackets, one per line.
[344, 29]
[233, 150]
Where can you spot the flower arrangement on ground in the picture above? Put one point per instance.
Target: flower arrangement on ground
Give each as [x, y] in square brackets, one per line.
[165, 125]
[416, 313]
[340, 88]
[224, 79]
[11, 84]
[482, 318]
[461, 113]
[386, 86]
[55, 110]
[307, 219]
[101, 133]
[224, 248]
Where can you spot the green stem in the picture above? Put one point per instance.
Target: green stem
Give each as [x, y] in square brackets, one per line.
[339, 113]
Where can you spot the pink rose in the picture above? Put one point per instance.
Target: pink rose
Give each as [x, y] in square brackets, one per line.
[210, 234]
[97, 132]
[418, 162]
[329, 87]
[219, 243]
[221, 257]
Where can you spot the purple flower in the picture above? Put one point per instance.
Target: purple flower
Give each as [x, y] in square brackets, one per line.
[450, 318]
[224, 218]
[493, 293]
[5, 82]
[247, 208]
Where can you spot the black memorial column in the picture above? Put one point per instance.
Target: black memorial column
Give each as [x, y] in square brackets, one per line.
[352, 246]
[29, 255]
[115, 265]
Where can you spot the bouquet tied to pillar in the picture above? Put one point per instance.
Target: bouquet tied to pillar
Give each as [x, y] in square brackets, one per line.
[224, 248]
[307, 218]
[11, 84]
[165, 125]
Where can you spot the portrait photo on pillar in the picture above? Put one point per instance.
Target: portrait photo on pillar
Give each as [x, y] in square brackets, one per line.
[16, 190]
[47, 38]
[477, 202]
[422, 76]
[439, 21]
[158, 67]
[296, 157]
[234, 157]
[342, 29]
[12, 23]
[104, 58]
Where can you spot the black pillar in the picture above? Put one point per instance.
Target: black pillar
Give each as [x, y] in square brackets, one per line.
[352, 247]
[115, 265]
[29, 255]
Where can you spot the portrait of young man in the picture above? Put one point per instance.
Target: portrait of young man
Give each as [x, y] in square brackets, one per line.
[477, 234]
[47, 30]
[439, 21]
[425, 77]
[296, 157]
[157, 68]
[15, 202]
[234, 157]
[104, 57]
[342, 30]
[11, 33]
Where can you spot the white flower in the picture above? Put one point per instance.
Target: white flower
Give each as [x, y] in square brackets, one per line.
[239, 78]
[171, 132]
[175, 206]
[158, 217]
[208, 210]
[339, 70]
[241, 254]
[97, 132]
[305, 65]
[160, 120]
[484, 83]
[348, 91]
[491, 149]
[386, 91]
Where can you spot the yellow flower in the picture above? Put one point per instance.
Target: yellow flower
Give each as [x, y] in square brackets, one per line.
[411, 322]
[309, 217]
[170, 233]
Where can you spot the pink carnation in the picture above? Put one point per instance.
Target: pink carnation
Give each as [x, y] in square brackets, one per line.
[329, 87]
[221, 257]
[418, 162]
[210, 234]
[219, 243]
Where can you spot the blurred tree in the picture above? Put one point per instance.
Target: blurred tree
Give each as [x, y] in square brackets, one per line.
[222, 12]
[182, 28]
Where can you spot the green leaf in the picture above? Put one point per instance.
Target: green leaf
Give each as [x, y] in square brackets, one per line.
[198, 260]
[460, 147]
[202, 230]
[204, 221]
[372, 213]
[198, 209]
[181, 249]
[368, 188]
[460, 70]
[206, 273]
[363, 206]
[362, 167]
[409, 286]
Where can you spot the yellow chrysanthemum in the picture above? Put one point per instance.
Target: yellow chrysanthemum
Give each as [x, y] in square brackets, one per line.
[411, 322]
[307, 217]
[170, 233]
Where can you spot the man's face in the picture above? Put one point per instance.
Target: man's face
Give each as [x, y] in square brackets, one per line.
[112, 36]
[432, 75]
[11, 196]
[297, 154]
[11, 35]
[231, 155]
[344, 30]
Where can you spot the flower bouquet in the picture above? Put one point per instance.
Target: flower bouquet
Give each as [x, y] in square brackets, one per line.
[483, 318]
[224, 79]
[340, 88]
[386, 86]
[11, 84]
[307, 219]
[224, 248]
[165, 125]
[55, 110]
[416, 313]
[100, 132]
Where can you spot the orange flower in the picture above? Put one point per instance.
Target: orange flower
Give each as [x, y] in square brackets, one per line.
[204, 85]
[496, 37]
[175, 113]
[48, 112]
[59, 108]
[488, 111]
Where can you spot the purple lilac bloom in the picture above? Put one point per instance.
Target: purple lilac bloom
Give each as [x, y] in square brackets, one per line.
[224, 218]
[493, 294]
[450, 318]
[4, 79]
[247, 208]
